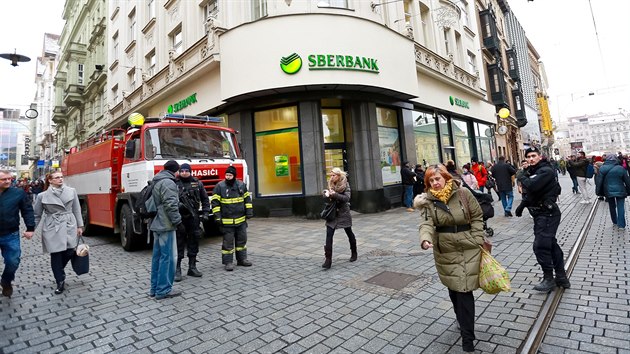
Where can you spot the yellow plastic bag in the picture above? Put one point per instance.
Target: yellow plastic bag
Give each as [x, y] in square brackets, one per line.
[493, 278]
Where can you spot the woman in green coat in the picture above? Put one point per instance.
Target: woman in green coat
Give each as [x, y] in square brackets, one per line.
[451, 224]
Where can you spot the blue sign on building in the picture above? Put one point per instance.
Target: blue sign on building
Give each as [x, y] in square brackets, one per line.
[41, 163]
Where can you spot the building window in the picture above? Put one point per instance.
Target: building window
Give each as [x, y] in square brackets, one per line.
[212, 9]
[151, 63]
[278, 158]
[425, 138]
[115, 94]
[131, 76]
[472, 63]
[151, 8]
[80, 81]
[338, 3]
[115, 46]
[259, 9]
[132, 25]
[425, 17]
[463, 5]
[177, 41]
[446, 47]
[389, 145]
[485, 142]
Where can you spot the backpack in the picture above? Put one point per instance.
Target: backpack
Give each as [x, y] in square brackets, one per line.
[590, 171]
[145, 205]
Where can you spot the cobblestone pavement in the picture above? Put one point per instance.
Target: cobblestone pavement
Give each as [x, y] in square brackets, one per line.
[286, 303]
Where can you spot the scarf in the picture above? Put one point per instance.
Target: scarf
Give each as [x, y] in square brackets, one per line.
[56, 191]
[443, 194]
[340, 186]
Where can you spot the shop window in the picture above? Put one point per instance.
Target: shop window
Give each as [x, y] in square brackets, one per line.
[278, 159]
[426, 138]
[463, 141]
[389, 144]
[332, 126]
[485, 142]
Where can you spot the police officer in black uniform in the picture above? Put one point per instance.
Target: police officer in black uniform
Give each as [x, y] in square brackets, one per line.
[192, 194]
[541, 183]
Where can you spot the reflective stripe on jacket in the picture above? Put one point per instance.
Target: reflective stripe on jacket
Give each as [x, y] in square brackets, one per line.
[231, 204]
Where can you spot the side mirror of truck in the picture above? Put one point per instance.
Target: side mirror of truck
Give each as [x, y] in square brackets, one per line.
[130, 149]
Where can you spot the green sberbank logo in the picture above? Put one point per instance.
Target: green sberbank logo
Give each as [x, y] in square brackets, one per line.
[291, 64]
[459, 102]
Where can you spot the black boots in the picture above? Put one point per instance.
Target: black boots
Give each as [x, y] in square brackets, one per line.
[328, 257]
[562, 280]
[192, 267]
[178, 270]
[353, 250]
[548, 282]
[61, 286]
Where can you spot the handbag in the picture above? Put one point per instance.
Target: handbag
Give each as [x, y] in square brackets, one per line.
[493, 278]
[330, 211]
[81, 258]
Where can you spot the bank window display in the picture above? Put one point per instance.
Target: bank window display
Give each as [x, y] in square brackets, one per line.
[463, 141]
[278, 159]
[389, 144]
[485, 142]
[426, 138]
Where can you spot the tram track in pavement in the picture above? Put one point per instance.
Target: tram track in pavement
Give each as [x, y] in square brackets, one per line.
[536, 335]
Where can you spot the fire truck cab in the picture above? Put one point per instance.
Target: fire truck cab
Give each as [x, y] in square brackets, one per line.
[109, 171]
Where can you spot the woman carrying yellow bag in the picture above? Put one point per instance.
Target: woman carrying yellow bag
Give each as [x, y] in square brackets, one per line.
[451, 223]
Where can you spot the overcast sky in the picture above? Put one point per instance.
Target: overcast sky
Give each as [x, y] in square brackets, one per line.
[562, 32]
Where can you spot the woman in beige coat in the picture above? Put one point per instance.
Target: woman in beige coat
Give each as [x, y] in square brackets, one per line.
[58, 209]
[451, 223]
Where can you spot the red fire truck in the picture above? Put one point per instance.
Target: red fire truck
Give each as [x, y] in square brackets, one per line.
[109, 171]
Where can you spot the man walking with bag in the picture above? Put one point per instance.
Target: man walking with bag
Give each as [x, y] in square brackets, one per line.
[166, 203]
[14, 202]
[540, 182]
[502, 173]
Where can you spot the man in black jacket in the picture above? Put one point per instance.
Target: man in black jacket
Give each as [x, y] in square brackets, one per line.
[502, 173]
[408, 179]
[192, 195]
[231, 206]
[13, 201]
[543, 190]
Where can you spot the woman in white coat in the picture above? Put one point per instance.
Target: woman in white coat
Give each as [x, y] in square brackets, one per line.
[58, 209]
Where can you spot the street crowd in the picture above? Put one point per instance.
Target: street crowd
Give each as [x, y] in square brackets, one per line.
[449, 200]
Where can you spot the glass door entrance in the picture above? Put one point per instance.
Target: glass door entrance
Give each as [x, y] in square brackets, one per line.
[334, 138]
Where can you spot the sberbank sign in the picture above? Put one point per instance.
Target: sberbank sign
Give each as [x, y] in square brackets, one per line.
[459, 102]
[176, 107]
[292, 63]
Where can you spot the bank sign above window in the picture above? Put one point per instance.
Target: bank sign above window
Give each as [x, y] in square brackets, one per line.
[176, 107]
[459, 102]
[291, 64]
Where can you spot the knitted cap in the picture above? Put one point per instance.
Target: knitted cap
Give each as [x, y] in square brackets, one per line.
[171, 165]
[184, 166]
[231, 170]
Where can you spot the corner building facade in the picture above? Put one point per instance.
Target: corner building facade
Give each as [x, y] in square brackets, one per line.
[312, 87]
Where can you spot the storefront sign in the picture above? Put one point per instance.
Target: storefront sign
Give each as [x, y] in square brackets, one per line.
[282, 165]
[293, 63]
[182, 104]
[459, 102]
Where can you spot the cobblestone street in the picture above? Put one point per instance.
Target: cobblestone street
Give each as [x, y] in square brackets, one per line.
[286, 303]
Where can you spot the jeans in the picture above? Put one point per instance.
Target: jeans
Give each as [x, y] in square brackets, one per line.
[11, 252]
[617, 210]
[507, 198]
[575, 183]
[408, 196]
[164, 262]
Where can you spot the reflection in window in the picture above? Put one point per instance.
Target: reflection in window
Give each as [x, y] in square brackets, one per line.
[278, 158]
[332, 126]
[166, 143]
[389, 144]
[463, 141]
[485, 142]
[426, 138]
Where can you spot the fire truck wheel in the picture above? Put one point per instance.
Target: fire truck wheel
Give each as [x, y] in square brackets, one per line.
[86, 219]
[129, 240]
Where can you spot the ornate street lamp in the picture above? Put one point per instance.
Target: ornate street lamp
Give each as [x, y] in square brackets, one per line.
[15, 58]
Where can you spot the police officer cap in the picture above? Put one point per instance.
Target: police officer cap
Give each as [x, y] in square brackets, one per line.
[532, 149]
[231, 170]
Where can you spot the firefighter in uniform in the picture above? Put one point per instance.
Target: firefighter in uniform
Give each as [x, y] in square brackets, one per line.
[231, 206]
[192, 194]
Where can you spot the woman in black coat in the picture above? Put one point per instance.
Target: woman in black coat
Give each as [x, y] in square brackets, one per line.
[339, 192]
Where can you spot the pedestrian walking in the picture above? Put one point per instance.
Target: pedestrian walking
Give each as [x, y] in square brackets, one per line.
[468, 177]
[58, 210]
[580, 166]
[456, 239]
[613, 182]
[541, 183]
[562, 164]
[232, 206]
[480, 173]
[164, 226]
[408, 179]
[418, 185]
[338, 192]
[502, 173]
[193, 200]
[571, 171]
[13, 203]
